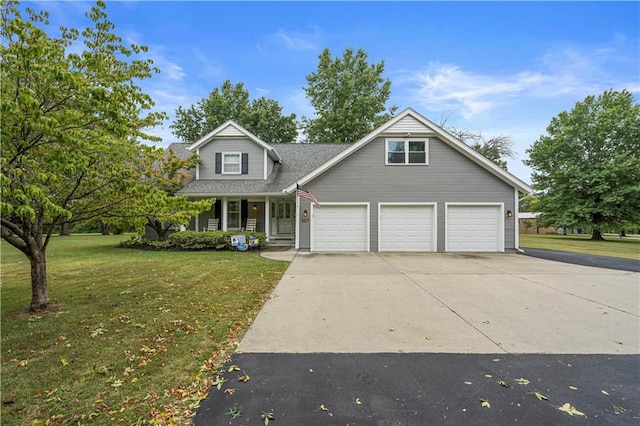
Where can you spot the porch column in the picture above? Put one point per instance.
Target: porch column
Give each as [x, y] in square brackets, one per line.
[224, 213]
[267, 216]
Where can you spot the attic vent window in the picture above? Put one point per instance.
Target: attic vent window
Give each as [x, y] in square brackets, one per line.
[406, 151]
[231, 163]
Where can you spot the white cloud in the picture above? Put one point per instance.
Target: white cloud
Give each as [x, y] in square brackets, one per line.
[296, 40]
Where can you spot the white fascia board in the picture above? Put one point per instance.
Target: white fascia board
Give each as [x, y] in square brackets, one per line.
[236, 195]
[437, 131]
[206, 138]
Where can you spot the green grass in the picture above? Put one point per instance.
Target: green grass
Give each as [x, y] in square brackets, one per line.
[135, 336]
[628, 248]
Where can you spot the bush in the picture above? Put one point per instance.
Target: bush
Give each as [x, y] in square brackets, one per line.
[191, 240]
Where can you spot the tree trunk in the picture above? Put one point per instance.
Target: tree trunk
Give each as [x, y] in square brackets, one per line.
[39, 295]
[597, 236]
[106, 229]
[64, 232]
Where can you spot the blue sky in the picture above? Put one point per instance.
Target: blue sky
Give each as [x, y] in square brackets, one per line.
[497, 68]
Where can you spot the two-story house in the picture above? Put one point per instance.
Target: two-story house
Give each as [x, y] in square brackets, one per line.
[407, 186]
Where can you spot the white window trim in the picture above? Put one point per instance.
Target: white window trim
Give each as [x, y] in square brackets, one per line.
[239, 212]
[406, 151]
[239, 154]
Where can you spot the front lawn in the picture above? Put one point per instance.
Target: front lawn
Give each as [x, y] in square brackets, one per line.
[628, 247]
[133, 336]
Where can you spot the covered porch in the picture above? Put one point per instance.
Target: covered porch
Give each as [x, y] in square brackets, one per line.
[274, 216]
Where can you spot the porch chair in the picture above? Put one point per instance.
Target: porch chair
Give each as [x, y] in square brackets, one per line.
[251, 225]
[212, 225]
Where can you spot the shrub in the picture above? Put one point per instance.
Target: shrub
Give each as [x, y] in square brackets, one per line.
[191, 240]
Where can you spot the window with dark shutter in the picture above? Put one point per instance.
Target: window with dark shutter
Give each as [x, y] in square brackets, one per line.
[245, 163]
[218, 163]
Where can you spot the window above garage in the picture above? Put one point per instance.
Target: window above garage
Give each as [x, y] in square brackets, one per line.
[406, 151]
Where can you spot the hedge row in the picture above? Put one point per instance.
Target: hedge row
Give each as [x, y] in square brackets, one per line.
[191, 240]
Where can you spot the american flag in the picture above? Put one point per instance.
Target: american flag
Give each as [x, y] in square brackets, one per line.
[301, 192]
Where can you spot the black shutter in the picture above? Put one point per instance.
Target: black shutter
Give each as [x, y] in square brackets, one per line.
[245, 163]
[218, 163]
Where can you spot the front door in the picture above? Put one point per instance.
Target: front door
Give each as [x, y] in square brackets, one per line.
[282, 217]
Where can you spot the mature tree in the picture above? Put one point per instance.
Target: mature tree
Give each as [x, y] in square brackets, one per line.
[349, 96]
[496, 148]
[261, 116]
[586, 170]
[161, 209]
[71, 126]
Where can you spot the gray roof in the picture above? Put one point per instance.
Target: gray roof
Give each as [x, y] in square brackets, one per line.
[298, 159]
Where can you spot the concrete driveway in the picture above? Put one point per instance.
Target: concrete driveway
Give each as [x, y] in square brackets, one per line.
[447, 303]
[419, 339]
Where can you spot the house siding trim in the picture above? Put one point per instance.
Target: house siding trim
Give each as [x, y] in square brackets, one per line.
[501, 221]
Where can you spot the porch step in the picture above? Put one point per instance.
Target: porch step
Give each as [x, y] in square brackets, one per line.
[281, 244]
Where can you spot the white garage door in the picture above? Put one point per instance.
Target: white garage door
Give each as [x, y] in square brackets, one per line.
[340, 228]
[474, 228]
[407, 228]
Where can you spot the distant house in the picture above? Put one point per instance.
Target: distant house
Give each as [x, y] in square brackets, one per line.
[407, 186]
[529, 224]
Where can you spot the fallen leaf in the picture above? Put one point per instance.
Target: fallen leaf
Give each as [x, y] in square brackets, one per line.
[310, 370]
[266, 417]
[504, 384]
[323, 408]
[467, 383]
[64, 361]
[358, 401]
[573, 388]
[540, 396]
[522, 381]
[230, 391]
[485, 403]
[488, 376]
[233, 368]
[496, 360]
[219, 382]
[605, 392]
[617, 409]
[244, 378]
[570, 409]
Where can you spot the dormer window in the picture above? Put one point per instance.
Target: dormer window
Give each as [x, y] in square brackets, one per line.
[230, 163]
[406, 151]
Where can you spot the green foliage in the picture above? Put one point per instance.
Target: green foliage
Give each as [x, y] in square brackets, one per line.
[263, 117]
[164, 174]
[191, 240]
[349, 96]
[71, 129]
[587, 168]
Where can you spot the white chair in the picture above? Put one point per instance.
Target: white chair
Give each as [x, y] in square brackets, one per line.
[251, 225]
[212, 225]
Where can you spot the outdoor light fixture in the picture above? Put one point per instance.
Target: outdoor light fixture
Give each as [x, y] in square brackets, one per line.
[509, 213]
[305, 214]
[255, 207]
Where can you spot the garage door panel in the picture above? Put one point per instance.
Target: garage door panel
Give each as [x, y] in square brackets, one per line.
[474, 228]
[406, 228]
[340, 228]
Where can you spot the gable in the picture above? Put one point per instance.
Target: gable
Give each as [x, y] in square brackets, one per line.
[409, 124]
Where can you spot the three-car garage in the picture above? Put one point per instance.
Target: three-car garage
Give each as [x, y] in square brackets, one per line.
[407, 227]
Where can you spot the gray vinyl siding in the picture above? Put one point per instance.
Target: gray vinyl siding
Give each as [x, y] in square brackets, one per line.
[208, 158]
[450, 177]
